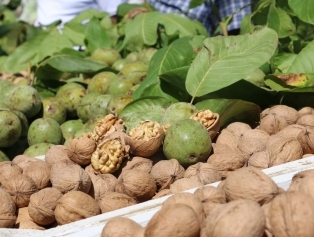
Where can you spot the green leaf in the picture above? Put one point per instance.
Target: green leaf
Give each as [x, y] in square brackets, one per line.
[176, 77]
[96, 36]
[225, 60]
[146, 108]
[304, 61]
[246, 25]
[280, 21]
[303, 9]
[290, 81]
[283, 62]
[196, 3]
[233, 111]
[176, 55]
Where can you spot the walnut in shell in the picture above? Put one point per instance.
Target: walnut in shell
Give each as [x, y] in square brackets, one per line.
[248, 145]
[9, 169]
[74, 206]
[204, 173]
[260, 159]
[305, 110]
[227, 138]
[113, 228]
[137, 184]
[303, 182]
[23, 160]
[108, 156]
[102, 184]
[210, 120]
[21, 187]
[111, 201]
[273, 123]
[165, 172]
[145, 138]
[184, 184]
[243, 218]
[42, 205]
[72, 177]
[288, 113]
[60, 165]
[7, 210]
[39, 172]
[184, 222]
[306, 120]
[238, 128]
[290, 214]
[139, 163]
[306, 139]
[56, 153]
[162, 193]
[80, 149]
[250, 183]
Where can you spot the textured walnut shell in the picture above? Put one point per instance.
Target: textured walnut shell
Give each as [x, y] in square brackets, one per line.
[285, 150]
[69, 178]
[60, 165]
[102, 184]
[290, 214]
[162, 193]
[56, 153]
[187, 199]
[257, 134]
[113, 227]
[139, 163]
[210, 120]
[225, 159]
[137, 184]
[145, 139]
[23, 160]
[80, 149]
[303, 182]
[42, 205]
[238, 128]
[227, 138]
[250, 183]
[243, 218]
[249, 145]
[305, 110]
[7, 210]
[74, 206]
[290, 114]
[165, 172]
[9, 169]
[111, 201]
[184, 222]
[210, 197]
[39, 172]
[306, 139]
[306, 120]
[260, 159]
[204, 173]
[184, 184]
[273, 123]
[291, 131]
[21, 187]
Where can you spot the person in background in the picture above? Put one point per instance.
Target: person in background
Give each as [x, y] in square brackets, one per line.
[206, 14]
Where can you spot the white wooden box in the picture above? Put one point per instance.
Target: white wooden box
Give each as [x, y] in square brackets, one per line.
[142, 212]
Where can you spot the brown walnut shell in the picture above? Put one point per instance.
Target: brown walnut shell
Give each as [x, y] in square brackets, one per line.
[39, 172]
[306, 120]
[257, 134]
[238, 128]
[9, 169]
[250, 183]
[60, 165]
[260, 159]
[42, 205]
[7, 210]
[102, 184]
[290, 114]
[184, 184]
[162, 193]
[113, 227]
[305, 110]
[56, 153]
[227, 138]
[23, 160]
[137, 184]
[111, 201]
[248, 145]
[165, 172]
[306, 138]
[273, 123]
[74, 206]
[139, 163]
[290, 214]
[243, 218]
[204, 173]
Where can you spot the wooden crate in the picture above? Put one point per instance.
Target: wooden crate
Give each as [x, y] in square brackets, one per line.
[142, 212]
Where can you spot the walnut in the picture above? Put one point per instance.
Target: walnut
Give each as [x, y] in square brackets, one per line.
[39, 171]
[210, 120]
[139, 163]
[7, 210]
[111, 201]
[23, 160]
[260, 159]
[56, 153]
[145, 139]
[130, 228]
[203, 172]
[9, 169]
[162, 193]
[183, 185]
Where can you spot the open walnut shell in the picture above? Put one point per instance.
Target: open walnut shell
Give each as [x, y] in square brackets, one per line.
[145, 139]
[108, 156]
[210, 120]
[109, 124]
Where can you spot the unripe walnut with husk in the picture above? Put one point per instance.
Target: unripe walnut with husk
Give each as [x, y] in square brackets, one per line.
[42, 205]
[145, 138]
[184, 222]
[137, 184]
[108, 156]
[250, 183]
[184, 184]
[243, 218]
[165, 172]
[130, 228]
[74, 206]
[290, 214]
[203, 172]
[111, 201]
[7, 210]
[109, 124]
[210, 120]
[39, 172]
[80, 149]
[21, 187]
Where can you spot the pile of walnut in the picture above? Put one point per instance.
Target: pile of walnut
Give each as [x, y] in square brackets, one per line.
[247, 203]
[109, 169]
